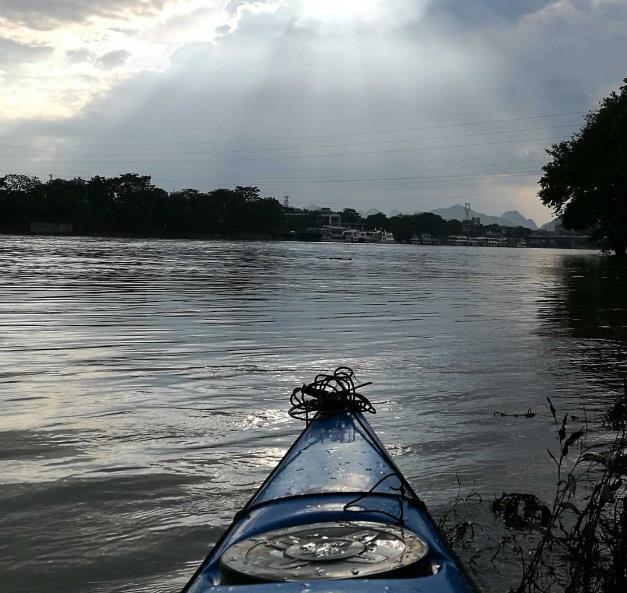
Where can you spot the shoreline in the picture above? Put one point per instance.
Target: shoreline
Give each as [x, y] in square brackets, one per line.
[252, 237]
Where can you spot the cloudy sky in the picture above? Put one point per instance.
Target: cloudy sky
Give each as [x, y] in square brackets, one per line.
[400, 105]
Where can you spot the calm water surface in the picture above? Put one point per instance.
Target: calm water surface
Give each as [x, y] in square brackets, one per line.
[144, 384]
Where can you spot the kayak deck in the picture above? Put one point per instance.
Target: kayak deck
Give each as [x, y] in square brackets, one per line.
[340, 453]
[337, 471]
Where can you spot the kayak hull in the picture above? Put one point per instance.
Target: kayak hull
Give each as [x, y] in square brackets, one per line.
[337, 471]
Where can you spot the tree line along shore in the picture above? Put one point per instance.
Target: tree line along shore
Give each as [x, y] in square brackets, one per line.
[131, 205]
[584, 182]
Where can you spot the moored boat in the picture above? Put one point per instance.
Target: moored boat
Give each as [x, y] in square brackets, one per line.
[362, 236]
[335, 515]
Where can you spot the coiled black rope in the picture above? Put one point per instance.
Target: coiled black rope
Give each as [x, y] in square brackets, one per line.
[329, 394]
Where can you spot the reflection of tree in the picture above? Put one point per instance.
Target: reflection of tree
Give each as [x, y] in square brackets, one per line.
[590, 303]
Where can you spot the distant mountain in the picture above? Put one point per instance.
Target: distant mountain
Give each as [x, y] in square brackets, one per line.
[519, 220]
[510, 218]
[552, 225]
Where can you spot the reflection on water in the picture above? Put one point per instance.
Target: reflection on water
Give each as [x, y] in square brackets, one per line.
[589, 304]
[144, 384]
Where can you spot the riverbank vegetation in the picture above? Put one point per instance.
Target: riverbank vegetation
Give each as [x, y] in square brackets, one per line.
[131, 205]
[577, 543]
[585, 181]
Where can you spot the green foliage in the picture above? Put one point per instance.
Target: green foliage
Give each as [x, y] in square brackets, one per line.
[131, 204]
[586, 180]
[351, 216]
[300, 220]
[19, 183]
[405, 226]
[492, 228]
[518, 232]
[575, 544]
[586, 531]
[453, 227]
[377, 221]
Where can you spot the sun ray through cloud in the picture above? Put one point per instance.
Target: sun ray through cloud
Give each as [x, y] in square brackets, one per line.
[250, 72]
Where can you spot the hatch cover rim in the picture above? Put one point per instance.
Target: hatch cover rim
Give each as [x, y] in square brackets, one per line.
[338, 557]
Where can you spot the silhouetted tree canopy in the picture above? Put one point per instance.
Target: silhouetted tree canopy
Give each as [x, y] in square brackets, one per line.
[377, 221]
[586, 180]
[518, 232]
[131, 204]
[405, 226]
[351, 216]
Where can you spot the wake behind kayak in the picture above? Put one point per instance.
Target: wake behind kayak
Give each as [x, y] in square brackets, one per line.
[335, 515]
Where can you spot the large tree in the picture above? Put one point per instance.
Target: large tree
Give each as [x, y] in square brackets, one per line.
[586, 180]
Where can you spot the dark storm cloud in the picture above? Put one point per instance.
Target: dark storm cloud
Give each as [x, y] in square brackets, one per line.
[12, 53]
[45, 14]
[113, 59]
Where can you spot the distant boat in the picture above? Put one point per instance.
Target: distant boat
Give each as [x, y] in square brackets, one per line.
[361, 236]
[332, 233]
[424, 239]
[387, 237]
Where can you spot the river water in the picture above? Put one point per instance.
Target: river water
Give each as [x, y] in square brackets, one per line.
[144, 385]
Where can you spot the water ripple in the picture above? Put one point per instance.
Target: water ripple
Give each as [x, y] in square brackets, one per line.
[144, 384]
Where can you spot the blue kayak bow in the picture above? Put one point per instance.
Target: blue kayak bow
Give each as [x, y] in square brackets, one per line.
[336, 515]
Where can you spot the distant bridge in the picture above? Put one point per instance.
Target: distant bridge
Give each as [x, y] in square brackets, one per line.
[564, 241]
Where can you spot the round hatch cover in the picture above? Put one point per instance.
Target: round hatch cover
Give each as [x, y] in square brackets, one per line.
[337, 550]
